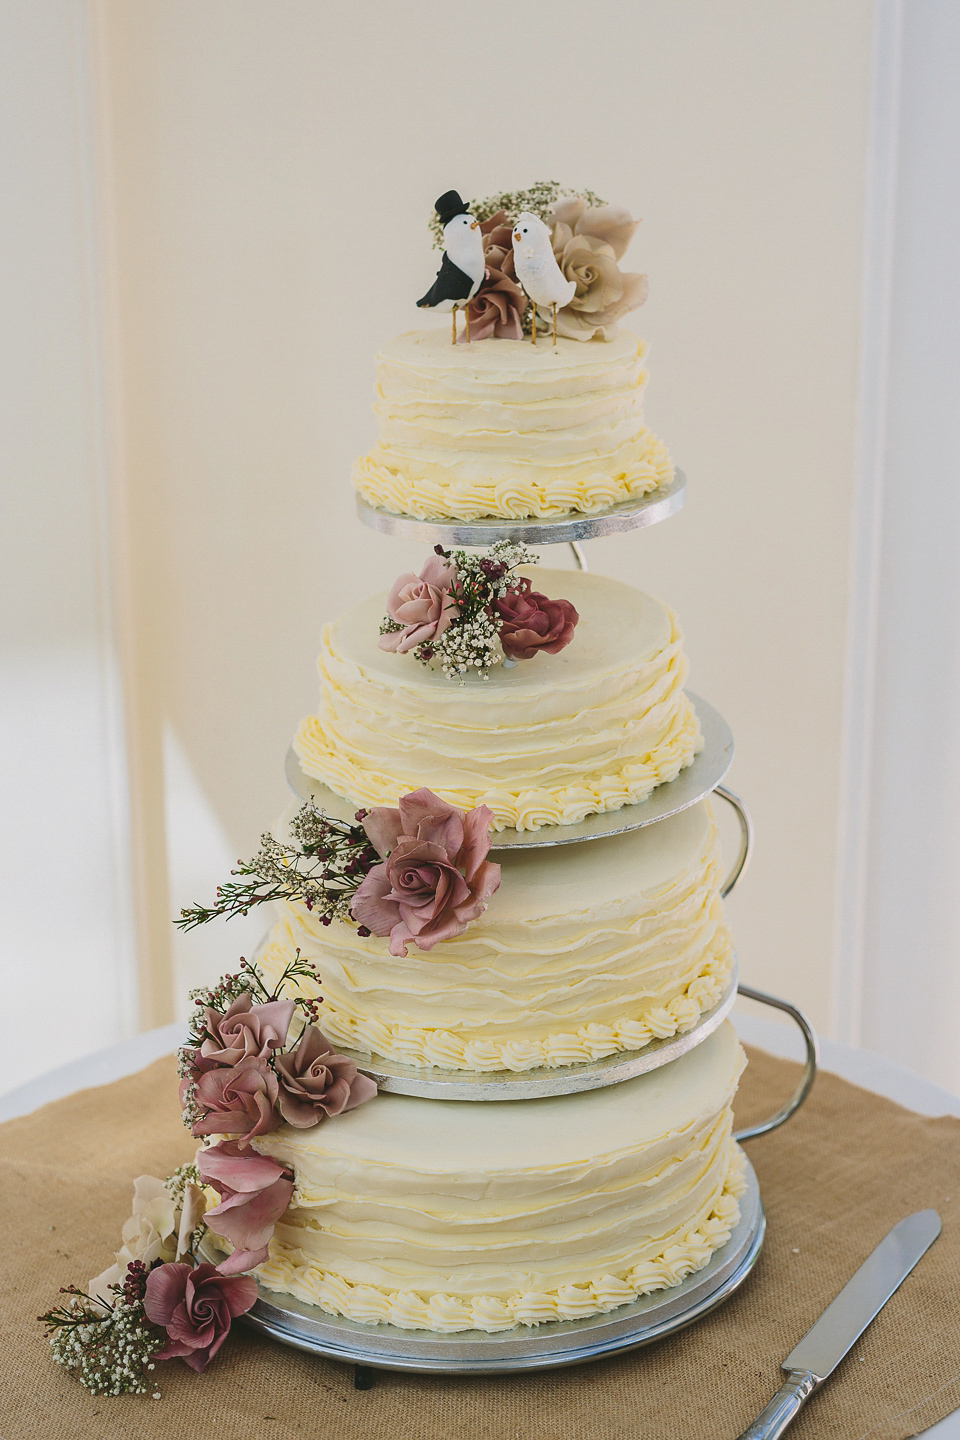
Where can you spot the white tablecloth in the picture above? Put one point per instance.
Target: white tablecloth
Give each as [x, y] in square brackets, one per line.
[861, 1067]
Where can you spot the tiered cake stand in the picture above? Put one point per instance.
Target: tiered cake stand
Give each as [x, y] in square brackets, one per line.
[572, 1342]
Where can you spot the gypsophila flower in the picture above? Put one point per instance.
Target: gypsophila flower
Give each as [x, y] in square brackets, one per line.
[470, 643]
[176, 1183]
[536, 201]
[108, 1348]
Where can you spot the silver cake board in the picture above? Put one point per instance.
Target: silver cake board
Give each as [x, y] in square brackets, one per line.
[694, 783]
[566, 529]
[548, 1346]
[430, 1082]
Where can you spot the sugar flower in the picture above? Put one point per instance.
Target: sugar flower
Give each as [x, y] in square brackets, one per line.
[246, 1029]
[434, 878]
[239, 1101]
[196, 1307]
[531, 622]
[421, 606]
[254, 1192]
[588, 241]
[315, 1081]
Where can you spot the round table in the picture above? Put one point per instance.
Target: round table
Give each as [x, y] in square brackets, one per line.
[860, 1067]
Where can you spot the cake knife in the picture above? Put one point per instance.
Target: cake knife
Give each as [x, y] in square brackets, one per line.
[843, 1322]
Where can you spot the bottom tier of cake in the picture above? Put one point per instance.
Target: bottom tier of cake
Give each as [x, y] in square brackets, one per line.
[448, 1216]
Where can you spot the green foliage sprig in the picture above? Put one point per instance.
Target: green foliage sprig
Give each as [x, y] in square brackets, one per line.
[322, 867]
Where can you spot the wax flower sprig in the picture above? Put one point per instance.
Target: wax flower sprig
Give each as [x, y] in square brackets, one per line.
[321, 866]
[465, 613]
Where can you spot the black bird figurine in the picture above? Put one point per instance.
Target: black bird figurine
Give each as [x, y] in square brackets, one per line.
[462, 268]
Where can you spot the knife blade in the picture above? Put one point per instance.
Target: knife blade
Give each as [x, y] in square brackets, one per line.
[843, 1322]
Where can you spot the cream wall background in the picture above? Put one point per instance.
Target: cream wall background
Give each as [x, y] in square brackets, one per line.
[261, 176]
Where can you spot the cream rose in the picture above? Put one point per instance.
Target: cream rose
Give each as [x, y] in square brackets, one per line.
[588, 241]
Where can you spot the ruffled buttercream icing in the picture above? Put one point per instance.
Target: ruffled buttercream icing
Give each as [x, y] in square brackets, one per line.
[535, 1211]
[510, 429]
[556, 739]
[584, 951]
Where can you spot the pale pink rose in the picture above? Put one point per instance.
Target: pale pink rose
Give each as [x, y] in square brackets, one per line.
[239, 1101]
[316, 1081]
[246, 1029]
[435, 877]
[422, 604]
[196, 1306]
[531, 622]
[254, 1192]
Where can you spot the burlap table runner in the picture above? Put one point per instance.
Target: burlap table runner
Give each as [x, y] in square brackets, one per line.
[833, 1181]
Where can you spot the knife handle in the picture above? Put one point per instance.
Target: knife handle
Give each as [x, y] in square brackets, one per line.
[775, 1417]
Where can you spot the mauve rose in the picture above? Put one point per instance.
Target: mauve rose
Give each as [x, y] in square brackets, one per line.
[497, 235]
[532, 622]
[435, 877]
[246, 1029]
[254, 1192]
[196, 1306]
[240, 1101]
[316, 1081]
[496, 309]
[422, 605]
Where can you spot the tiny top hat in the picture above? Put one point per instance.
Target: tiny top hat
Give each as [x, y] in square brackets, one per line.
[449, 206]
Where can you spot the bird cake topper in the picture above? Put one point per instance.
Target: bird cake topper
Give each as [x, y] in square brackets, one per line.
[463, 267]
[562, 246]
[537, 268]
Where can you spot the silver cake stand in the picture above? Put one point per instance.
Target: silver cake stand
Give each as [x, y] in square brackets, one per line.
[544, 1347]
[429, 1082]
[567, 529]
[694, 783]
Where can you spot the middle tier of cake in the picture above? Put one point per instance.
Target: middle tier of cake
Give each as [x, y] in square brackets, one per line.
[584, 951]
[555, 739]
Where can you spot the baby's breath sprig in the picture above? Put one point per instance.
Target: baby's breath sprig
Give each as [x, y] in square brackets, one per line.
[322, 868]
[536, 201]
[109, 1347]
[249, 979]
[469, 645]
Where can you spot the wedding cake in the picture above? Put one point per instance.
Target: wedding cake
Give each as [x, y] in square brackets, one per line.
[443, 917]
[487, 694]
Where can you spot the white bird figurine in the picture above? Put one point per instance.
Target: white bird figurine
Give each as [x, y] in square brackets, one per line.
[537, 269]
[463, 267]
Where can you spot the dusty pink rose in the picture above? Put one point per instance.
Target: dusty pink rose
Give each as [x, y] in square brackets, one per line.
[246, 1029]
[496, 309]
[196, 1307]
[497, 234]
[254, 1192]
[316, 1081]
[435, 877]
[422, 604]
[532, 622]
[239, 1101]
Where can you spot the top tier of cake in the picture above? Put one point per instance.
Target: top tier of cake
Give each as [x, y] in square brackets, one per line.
[506, 428]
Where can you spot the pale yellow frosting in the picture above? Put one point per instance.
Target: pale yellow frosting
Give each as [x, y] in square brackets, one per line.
[558, 738]
[584, 951]
[449, 1216]
[507, 428]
